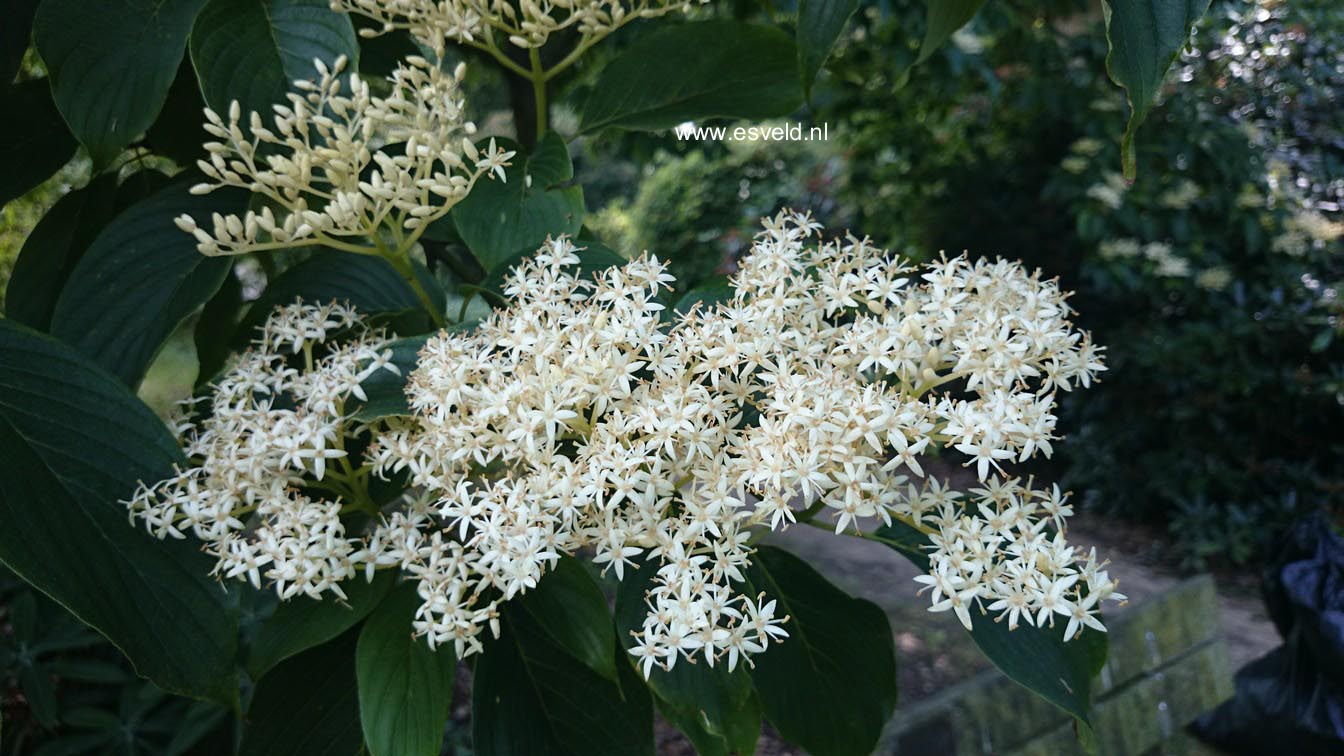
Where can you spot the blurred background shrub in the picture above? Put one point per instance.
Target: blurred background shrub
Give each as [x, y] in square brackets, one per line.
[54, 668]
[700, 209]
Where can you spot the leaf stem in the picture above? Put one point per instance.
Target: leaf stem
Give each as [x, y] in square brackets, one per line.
[400, 260]
[499, 55]
[538, 77]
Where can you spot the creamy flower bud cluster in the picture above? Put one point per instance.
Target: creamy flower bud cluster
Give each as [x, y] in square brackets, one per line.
[526, 24]
[577, 420]
[272, 439]
[339, 166]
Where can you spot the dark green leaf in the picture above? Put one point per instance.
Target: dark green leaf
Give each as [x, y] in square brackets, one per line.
[178, 133]
[498, 219]
[830, 686]
[217, 327]
[369, 284]
[53, 247]
[1144, 37]
[740, 730]
[195, 728]
[820, 23]
[1037, 658]
[386, 391]
[738, 70]
[405, 688]
[139, 280]
[569, 606]
[73, 442]
[530, 696]
[111, 64]
[94, 671]
[715, 708]
[40, 693]
[253, 50]
[140, 185]
[100, 740]
[302, 623]
[34, 146]
[706, 295]
[308, 705]
[380, 54]
[60, 238]
[944, 18]
[905, 539]
[23, 618]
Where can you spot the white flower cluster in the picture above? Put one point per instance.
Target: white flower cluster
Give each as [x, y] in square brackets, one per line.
[1181, 196]
[995, 551]
[580, 420]
[337, 168]
[1110, 191]
[266, 446]
[527, 24]
[576, 420]
[1216, 278]
[1307, 230]
[1165, 262]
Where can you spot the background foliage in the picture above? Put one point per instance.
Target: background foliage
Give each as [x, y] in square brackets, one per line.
[1212, 278]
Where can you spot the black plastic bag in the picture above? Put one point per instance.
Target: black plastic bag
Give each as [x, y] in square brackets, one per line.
[1292, 699]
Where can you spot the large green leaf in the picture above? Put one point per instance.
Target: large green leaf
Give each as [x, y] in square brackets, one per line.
[696, 71]
[820, 23]
[179, 132]
[531, 696]
[61, 237]
[307, 706]
[367, 283]
[111, 63]
[140, 185]
[217, 328]
[943, 20]
[715, 708]
[35, 145]
[405, 688]
[53, 247]
[253, 50]
[73, 442]
[139, 280]
[302, 623]
[499, 219]
[738, 729]
[830, 686]
[1144, 37]
[1037, 658]
[569, 606]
